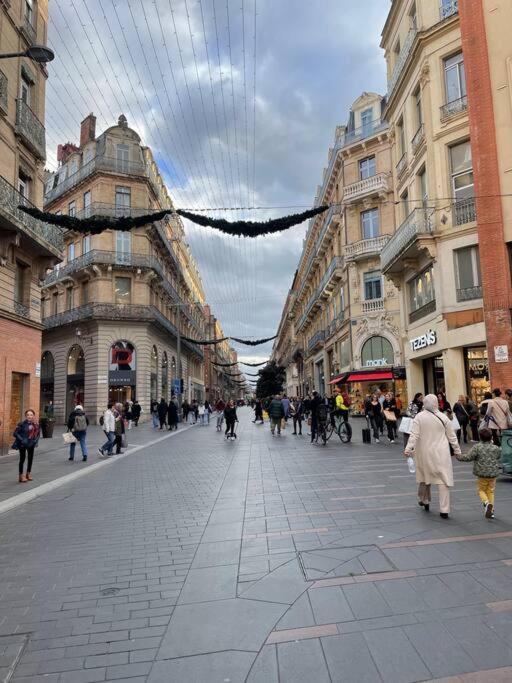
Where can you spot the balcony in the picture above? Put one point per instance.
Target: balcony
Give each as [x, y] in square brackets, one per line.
[4, 104]
[373, 305]
[464, 211]
[30, 129]
[402, 60]
[365, 248]
[376, 185]
[316, 340]
[331, 276]
[419, 313]
[417, 226]
[50, 237]
[448, 8]
[363, 132]
[451, 109]
[21, 309]
[469, 293]
[105, 311]
[401, 167]
[99, 163]
[418, 140]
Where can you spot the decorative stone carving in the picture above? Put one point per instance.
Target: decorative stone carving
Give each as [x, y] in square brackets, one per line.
[424, 74]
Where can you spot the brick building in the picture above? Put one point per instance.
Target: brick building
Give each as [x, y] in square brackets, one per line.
[27, 246]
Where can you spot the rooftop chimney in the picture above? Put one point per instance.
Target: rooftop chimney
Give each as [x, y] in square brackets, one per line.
[87, 129]
[65, 151]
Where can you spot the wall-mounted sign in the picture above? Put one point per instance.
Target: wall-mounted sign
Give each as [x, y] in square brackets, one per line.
[427, 339]
[501, 354]
[38, 369]
[376, 363]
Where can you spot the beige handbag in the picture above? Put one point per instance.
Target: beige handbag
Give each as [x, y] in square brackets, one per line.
[389, 415]
[69, 438]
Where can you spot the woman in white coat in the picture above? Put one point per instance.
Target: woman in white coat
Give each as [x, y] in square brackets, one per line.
[429, 444]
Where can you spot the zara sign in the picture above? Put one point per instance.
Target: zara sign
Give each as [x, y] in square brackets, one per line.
[427, 339]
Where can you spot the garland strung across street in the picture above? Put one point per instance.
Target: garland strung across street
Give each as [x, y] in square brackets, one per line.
[247, 342]
[253, 365]
[93, 225]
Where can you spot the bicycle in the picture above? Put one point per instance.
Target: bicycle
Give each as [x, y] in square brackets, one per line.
[343, 429]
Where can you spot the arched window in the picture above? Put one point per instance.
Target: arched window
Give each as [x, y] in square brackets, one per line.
[75, 381]
[47, 366]
[76, 361]
[376, 352]
[154, 374]
[165, 376]
[47, 384]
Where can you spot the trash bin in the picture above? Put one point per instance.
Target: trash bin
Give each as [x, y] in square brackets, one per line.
[506, 451]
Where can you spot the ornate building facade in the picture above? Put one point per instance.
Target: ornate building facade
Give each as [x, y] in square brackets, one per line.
[114, 309]
[27, 247]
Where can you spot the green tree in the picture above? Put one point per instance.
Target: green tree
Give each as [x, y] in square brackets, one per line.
[271, 380]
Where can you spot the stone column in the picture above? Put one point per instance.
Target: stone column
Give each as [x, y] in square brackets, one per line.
[454, 374]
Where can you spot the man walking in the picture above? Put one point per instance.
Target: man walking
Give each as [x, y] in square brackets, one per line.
[276, 414]
[162, 412]
[109, 426]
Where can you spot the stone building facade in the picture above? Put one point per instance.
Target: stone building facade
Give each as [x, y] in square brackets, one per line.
[27, 246]
[218, 380]
[113, 310]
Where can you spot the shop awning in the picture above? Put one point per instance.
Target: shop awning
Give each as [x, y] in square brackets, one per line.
[340, 378]
[369, 376]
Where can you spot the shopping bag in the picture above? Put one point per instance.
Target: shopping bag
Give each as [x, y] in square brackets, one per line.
[69, 438]
[389, 416]
[455, 424]
[405, 425]
[265, 415]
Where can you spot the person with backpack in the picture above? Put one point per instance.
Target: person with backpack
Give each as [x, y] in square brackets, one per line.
[108, 422]
[277, 413]
[26, 436]
[77, 424]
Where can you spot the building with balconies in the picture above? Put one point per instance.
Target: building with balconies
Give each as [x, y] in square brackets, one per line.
[344, 314]
[219, 381]
[433, 257]
[28, 247]
[115, 310]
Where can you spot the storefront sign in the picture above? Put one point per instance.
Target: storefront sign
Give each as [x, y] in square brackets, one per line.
[501, 354]
[427, 339]
[122, 378]
[38, 369]
[376, 363]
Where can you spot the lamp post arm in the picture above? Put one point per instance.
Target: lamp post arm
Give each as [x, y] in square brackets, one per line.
[8, 55]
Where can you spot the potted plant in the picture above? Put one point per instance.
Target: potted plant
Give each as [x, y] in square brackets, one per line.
[47, 423]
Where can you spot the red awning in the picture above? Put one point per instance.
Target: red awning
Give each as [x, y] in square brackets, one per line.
[369, 376]
[339, 378]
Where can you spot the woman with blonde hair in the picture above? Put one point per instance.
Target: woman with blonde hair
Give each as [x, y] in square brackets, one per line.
[429, 445]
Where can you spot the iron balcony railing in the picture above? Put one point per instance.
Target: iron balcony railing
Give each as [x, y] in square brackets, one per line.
[327, 221]
[4, 103]
[367, 247]
[469, 293]
[402, 59]
[448, 8]
[316, 339]
[418, 139]
[363, 188]
[402, 165]
[454, 107]
[30, 129]
[419, 313]
[134, 312]
[418, 222]
[39, 231]
[337, 262]
[97, 163]
[464, 211]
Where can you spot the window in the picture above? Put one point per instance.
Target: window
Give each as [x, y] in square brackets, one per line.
[366, 121]
[372, 285]
[418, 107]
[123, 290]
[405, 203]
[20, 283]
[69, 298]
[72, 208]
[401, 137]
[123, 158]
[87, 156]
[421, 289]
[123, 200]
[23, 186]
[86, 244]
[467, 273]
[71, 251]
[462, 171]
[413, 16]
[455, 78]
[25, 89]
[55, 303]
[87, 204]
[376, 352]
[123, 246]
[422, 180]
[85, 292]
[367, 168]
[370, 223]
[29, 11]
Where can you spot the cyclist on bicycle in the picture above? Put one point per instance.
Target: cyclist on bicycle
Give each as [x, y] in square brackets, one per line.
[341, 409]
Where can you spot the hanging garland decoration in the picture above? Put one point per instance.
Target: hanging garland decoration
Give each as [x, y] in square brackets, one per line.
[252, 374]
[247, 342]
[95, 224]
[253, 365]
[224, 365]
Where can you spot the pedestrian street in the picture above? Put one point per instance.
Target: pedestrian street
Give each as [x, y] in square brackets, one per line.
[263, 559]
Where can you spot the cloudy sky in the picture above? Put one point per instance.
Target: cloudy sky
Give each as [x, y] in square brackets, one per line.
[238, 100]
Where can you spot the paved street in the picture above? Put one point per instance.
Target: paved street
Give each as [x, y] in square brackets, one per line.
[262, 560]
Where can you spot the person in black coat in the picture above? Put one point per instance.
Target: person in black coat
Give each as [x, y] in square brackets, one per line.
[258, 411]
[26, 436]
[162, 412]
[172, 414]
[136, 411]
[231, 418]
[297, 410]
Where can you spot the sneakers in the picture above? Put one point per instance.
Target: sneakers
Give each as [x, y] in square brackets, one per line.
[377, 440]
[489, 511]
[392, 441]
[71, 458]
[101, 452]
[443, 515]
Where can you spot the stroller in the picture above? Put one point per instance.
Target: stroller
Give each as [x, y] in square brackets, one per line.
[232, 438]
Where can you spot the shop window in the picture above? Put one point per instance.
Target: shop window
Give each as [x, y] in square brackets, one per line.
[422, 291]
[376, 352]
[367, 168]
[372, 285]
[165, 376]
[370, 223]
[123, 290]
[467, 273]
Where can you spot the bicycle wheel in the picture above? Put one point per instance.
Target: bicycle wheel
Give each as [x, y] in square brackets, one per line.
[329, 430]
[345, 432]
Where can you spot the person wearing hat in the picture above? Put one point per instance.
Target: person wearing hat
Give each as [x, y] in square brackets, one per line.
[77, 425]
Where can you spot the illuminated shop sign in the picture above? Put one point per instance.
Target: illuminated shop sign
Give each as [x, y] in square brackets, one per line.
[427, 339]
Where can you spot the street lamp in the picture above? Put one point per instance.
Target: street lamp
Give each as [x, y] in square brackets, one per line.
[37, 53]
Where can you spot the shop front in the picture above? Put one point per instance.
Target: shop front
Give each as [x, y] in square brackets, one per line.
[122, 379]
[361, 384]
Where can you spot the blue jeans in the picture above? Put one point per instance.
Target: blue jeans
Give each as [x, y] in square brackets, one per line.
[155, 419]
[109, 445]
[81, 439]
